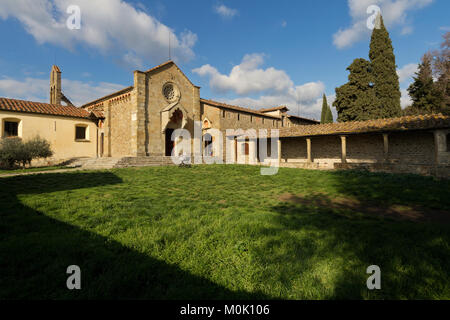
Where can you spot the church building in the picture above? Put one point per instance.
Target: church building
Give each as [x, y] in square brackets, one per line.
[138, 121]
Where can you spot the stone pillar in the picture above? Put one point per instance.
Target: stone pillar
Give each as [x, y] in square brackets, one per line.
[240, 155]
[279, 150]
[386, 147]
[252, 157]
[343, 149]
[308, 150]
[230, 150]
[197, 117]
[108, 130]
[442, 156]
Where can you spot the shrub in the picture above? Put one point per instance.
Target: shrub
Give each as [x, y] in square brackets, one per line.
[13, 151]
[38, 148]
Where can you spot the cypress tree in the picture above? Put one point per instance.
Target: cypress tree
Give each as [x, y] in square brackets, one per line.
[355, 100]
[386, 83]
[326, 111]
[423, 91]
[329, 116]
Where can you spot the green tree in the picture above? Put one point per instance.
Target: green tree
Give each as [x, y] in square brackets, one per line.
[423, 91]
[326, 116]
[355, 100]
[329, 116]
[441, 66]
[386, 83]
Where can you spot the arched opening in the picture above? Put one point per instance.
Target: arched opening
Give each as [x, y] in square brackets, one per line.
[175, 122]
[208, 145]
[169, 143]
[246, 148]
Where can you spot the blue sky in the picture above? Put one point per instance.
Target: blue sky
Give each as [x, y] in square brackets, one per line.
[251, 53]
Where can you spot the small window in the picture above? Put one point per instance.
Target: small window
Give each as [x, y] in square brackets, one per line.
[251, 118]
[223, 113]
[11, 129]
[81, 133]
[239, 117]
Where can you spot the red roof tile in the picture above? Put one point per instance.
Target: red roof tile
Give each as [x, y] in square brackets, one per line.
[421, 122]
[42, 108]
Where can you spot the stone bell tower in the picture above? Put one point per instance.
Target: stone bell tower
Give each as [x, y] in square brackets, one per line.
[55, 85]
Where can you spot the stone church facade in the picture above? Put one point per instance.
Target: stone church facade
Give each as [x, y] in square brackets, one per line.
[138, 122]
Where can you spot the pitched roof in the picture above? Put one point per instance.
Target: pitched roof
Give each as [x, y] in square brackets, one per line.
[170, 62]
[98, 114]
[227, 106]
[109, 96]
[421, 122]
[15, 105]
[160, 66]
[274, 109]
[305, 119]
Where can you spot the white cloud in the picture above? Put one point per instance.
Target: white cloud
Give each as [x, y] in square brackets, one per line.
[225, 12]
[444, 28]
[35, 89]
[395, 13]
[29, 89]
[284, 24]
[110, 26]
[405, 75]
[247, 78]
[405, 99]
[274, 86]
[407, 72]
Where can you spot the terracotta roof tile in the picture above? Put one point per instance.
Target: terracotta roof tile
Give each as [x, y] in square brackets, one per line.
[305, 119]
[42, 108]
[434, 121]
[98, 114]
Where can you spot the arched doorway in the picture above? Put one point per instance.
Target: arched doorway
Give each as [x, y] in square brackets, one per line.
[208, 145]
[175, 122]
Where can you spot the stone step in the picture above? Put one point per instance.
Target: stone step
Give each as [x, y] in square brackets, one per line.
[149, 161]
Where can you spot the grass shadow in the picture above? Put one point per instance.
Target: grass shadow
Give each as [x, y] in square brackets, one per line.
[36, 250]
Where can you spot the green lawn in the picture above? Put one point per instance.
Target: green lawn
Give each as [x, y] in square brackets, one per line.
[224, 232]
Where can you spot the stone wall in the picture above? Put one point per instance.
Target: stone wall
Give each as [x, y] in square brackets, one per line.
[409, 151]
[156, 102]
[412, 147]
[120, 118]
